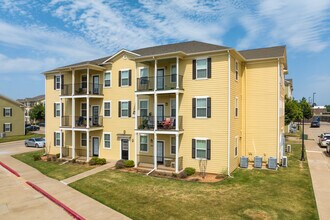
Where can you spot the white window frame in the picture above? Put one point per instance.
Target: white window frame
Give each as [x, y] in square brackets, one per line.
[171, 107]
[60, 133]
[201, 97]
[236, 71]
[236, 146]
[144, 100]
[201, 139]
[104, 133]
[174, 65]
[58, 84]
[121, 77]
[104, 115]
[105, 73]
[56, 110]
[121, 108]
[81, 139]
[201, 69]
[236, 113]
[141, 68]
[7, 108]
[144, 135]
[81, 109]
[173, 144]
[6, 124]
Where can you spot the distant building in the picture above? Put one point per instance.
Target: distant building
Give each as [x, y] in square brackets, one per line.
[319, 110]
[12, 117]
[288, 88]
[29, 103]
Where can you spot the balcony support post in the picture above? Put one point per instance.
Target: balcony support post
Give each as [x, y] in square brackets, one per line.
[61, 110]
[155, 76]
[177, 73]
[177, 153]
[155, 112]
[136, 112]
[73, 121]
[87, 81]
[87, 146]
[87, 112]
[73, 144]
[155, 151]
[73, 80]
[177, 111]
[61, 145]
[136, 149]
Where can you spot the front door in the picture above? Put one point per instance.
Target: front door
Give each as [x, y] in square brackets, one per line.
[160, 79]
[160, 113]
[95, 115]
[96, 142]
[124, 148]
[160, 152]
[96, 84]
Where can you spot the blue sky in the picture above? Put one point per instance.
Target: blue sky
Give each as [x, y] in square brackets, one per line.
[40, 35]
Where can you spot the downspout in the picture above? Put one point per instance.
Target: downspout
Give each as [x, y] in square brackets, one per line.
[278, 109]
[229, 121]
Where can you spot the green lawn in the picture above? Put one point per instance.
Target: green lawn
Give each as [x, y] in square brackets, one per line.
[52, 169]
[20, 137]
[250, 194]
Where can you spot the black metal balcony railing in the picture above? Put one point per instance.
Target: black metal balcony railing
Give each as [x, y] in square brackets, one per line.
[80, 121]
[167, 161]
[167, 82]
[81, 89]
[163, 123]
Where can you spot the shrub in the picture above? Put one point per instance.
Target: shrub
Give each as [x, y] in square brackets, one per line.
[36, 157]
[120, 164]
[182, 175]
[189, 171]
[97, 161]
[128, 163]
[57, 155]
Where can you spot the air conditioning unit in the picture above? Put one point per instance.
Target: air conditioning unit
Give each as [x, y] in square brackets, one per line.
[2, 135]
[244, 162]
[272, 163]
[257, 162]
[284, 161]
[288, 148]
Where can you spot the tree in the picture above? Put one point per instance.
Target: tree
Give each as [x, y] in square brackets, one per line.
[38, 113]
[306, 113]
[292, 111]
[328, 108]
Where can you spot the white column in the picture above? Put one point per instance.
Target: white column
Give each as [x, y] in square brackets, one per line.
[61, 112]
[136, 112]
[155, 76]
[177, 111]
[177, 72]
[155, 151]
[73, 144]
[155, 112]
[61, 150]
[136, 149]
[176, 153]
[87, 81]
[73, 81]
[87, 146]
[87, 112]
[73, 113]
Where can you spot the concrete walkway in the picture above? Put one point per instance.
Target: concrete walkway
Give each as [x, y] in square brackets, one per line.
[88, 173]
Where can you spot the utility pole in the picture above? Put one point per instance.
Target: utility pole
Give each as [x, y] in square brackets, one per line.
[313, 98]
[303, 140]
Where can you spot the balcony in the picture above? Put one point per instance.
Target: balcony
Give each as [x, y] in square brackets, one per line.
[163, 162]
[163, 123]
[167, 82]
[81, 122]
[81, 89]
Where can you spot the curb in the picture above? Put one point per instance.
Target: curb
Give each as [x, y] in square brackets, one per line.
[9, 169]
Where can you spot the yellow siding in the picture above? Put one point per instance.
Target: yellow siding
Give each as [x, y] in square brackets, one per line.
[16, 120]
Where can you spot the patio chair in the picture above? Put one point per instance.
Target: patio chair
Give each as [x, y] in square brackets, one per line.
[150, 122]
[166, 123]
[80, 121]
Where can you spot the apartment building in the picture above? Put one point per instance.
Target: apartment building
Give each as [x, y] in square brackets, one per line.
[11, 118]
[29, 103]
[189, 104]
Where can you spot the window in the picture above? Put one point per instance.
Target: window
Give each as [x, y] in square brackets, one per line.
[173, 145]
[107, 140]
[173, 74]
[84, 81]
[57, 138]
[57, 109]
[83, 138]
[107, 109]
[84, 109]
[144, 107]
[201, 149]
[57, 82]
[7, 127]
[236, 146]
[124, 78]
[107, 79]
[201, 67]
[236, 70]
[201, 107]
[236, 107]
[173, 107]
[7, 112]
[124, 109]
[144, 143]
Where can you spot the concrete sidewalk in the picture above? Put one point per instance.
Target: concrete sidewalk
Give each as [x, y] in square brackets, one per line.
[80, 203]
[88, 173]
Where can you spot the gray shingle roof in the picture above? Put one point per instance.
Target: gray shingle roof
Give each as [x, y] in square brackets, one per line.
[261, 53]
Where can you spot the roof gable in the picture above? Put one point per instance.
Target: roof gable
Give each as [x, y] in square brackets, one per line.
[264, 53]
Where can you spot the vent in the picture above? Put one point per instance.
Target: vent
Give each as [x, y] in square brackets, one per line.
[272, 163]
[244, 162]
[257, 162]
[285, 161]
[288, 148]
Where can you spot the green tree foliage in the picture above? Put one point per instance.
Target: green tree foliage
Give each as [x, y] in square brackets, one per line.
[328, 108]
[38, 113]
[306, 109]
[292, 111]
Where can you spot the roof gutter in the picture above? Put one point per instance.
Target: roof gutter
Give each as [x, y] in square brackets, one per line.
[228, 118]
[73, 67]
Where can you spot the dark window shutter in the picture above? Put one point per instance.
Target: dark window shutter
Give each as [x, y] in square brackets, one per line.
[194, 107]
[130, 77]
[119, 109]
[119, 79]
[54, 109]
[193, 152]
[62, 81]
[11, 127]
[194, 69]
[208, 150]
[54, 138]
[209, 107]
[54, 82]
[11, 112]
[4, 114]
[4, 129]
[209, 68]
[129, 108]
[62, 109]
[62, 138]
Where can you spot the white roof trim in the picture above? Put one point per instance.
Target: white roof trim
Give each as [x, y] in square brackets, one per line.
[127, 51]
